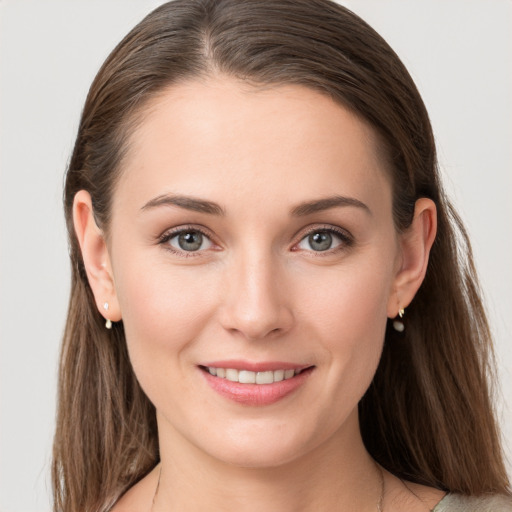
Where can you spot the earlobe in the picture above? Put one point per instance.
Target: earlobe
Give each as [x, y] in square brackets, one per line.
[96, 257]
[415, 245]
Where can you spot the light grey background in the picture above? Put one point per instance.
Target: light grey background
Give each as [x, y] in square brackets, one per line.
[459, 53]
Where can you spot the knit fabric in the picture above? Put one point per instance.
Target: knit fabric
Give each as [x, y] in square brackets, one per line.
[460, 503]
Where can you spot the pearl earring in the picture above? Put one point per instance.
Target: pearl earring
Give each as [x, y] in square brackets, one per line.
[108, 323]
[398, 325]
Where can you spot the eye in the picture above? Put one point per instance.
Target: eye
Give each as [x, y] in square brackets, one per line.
[187, 240]
[321, 240]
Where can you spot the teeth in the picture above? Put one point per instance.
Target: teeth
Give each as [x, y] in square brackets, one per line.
[232, 375]
[264, 377]
[248, 377]
[288, 374]
[278, 375]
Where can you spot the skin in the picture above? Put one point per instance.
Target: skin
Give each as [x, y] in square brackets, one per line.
[256, 290]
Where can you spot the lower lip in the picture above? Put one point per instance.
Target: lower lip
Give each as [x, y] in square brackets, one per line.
[256, 394]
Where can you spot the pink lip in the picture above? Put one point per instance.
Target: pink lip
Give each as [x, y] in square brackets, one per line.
[238, 364]
[256, 394]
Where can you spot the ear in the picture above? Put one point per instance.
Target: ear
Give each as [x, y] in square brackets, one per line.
[96, 257]
[415, 244]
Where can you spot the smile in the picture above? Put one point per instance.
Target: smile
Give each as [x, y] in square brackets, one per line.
[257, 387]
[250, 377]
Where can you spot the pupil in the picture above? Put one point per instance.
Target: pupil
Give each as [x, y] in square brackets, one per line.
[320, 241]
[190, 241]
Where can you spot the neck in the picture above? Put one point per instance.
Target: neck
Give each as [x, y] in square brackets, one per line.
[337, 475]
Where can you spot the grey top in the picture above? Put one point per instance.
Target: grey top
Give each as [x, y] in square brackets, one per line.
[460, 503]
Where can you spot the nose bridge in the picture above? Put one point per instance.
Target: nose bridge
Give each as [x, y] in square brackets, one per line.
[255, 302]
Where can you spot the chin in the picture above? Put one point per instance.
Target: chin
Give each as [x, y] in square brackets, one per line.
[257, 458]
[268, 448]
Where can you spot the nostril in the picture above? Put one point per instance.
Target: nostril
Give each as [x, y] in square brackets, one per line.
[255, 316]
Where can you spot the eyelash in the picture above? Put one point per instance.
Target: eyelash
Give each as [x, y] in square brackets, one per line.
[169, 235]
[346, 240]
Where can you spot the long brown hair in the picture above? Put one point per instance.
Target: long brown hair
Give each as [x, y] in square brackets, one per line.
[427, 416]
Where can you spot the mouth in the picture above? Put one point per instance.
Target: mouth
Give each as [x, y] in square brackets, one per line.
[259, 386]
[254, 377]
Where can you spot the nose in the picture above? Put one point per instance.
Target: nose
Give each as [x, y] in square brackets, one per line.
[256, 304]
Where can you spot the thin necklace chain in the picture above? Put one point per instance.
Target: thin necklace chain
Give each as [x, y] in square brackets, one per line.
[380, 504]
[157, 487]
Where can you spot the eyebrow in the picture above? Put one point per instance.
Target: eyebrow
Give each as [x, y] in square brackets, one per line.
[327, 203]
[189, 203]
[211, 208]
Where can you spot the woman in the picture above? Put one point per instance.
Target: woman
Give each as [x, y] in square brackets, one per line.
[270, 308]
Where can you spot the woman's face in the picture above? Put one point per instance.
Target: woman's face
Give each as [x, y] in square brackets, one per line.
[252, 231]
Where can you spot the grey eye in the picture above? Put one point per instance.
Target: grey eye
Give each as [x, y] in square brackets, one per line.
[190, 241]
[320, 241]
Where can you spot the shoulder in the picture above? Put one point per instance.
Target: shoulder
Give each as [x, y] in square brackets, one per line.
[487, 503]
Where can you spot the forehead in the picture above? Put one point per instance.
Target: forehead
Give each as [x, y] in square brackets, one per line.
[213, 136]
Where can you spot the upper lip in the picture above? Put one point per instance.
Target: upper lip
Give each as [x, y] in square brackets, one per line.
[262, 366]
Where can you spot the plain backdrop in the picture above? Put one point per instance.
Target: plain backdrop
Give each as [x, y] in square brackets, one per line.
[460, 54]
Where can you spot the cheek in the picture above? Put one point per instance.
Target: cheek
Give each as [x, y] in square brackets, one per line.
[163, 310]
[348, 316]
[349, 301]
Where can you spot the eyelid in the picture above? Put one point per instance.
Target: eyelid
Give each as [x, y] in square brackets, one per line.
[173, 232]
[347, 240]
